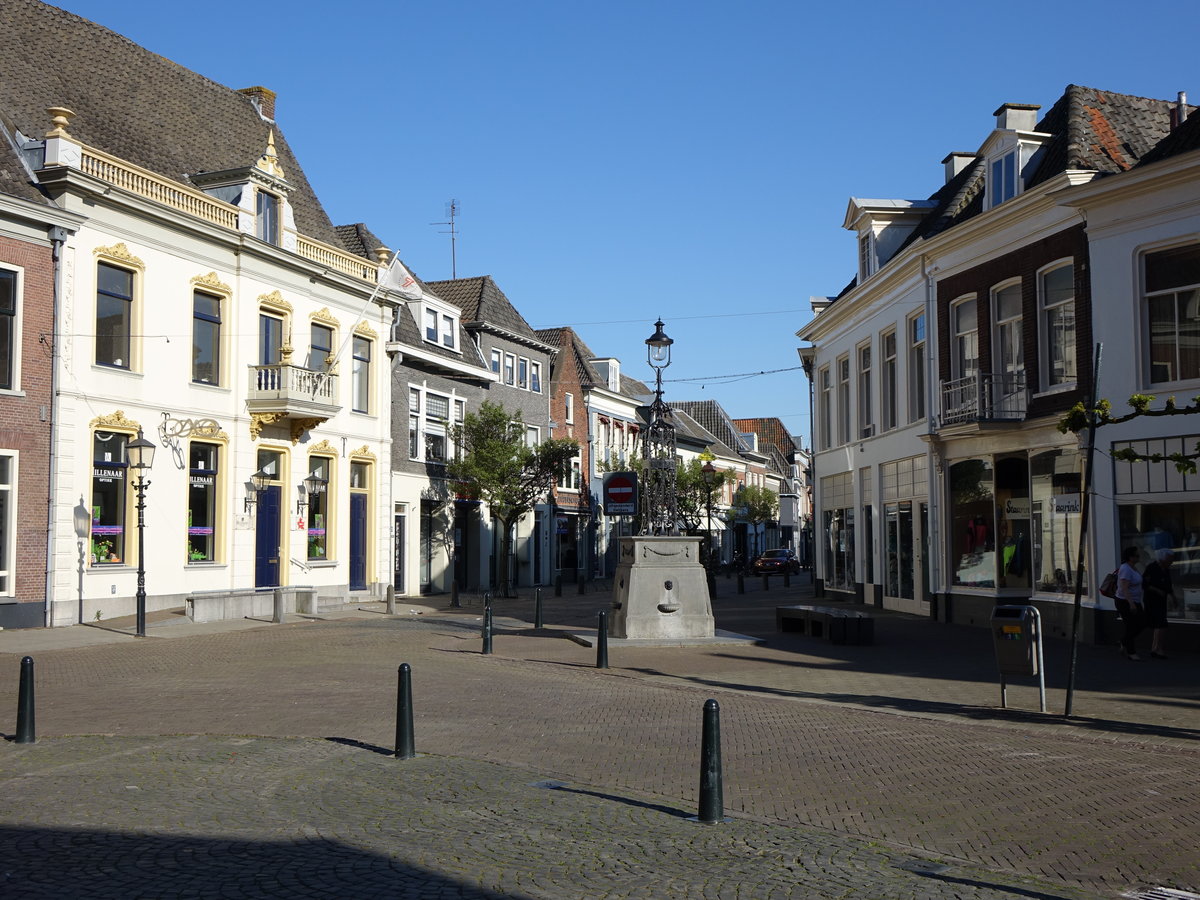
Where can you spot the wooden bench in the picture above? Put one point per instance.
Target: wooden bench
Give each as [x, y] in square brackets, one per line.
[838, 626]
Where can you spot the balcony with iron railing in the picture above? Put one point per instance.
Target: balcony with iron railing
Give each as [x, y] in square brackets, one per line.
[984, 397]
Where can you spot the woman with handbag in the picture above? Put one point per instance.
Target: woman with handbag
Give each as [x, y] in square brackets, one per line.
[1129, 602]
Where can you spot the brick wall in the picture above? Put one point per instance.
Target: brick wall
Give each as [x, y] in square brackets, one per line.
[25, 420]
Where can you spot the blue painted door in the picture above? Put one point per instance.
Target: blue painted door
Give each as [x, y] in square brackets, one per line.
[266, 556]
[358, 542]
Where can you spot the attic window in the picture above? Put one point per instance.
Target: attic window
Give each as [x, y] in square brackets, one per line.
[1002, 181]
[267, 212]
[441, 328]
[866, 256]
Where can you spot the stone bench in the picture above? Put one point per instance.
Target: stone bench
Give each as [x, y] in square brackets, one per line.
[219, 605]
[838, 626]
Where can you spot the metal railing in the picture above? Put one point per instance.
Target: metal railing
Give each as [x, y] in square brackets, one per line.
[984, 397]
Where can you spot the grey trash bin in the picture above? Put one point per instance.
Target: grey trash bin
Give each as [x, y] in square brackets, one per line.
[1015, 636]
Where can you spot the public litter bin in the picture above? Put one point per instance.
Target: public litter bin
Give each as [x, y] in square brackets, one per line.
[1017, 637]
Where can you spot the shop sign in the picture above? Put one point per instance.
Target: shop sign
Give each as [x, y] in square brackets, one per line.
[1016, 508]
[1067, 505]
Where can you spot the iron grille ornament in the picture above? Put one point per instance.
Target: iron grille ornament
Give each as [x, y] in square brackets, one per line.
[660, 506]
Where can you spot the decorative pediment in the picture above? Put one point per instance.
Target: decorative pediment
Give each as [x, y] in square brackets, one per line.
[116, 421]
[325, 316]
[364, 452]
[323, 447]
[119, 253]
[364, 328]
[212, 282]
[276, 301]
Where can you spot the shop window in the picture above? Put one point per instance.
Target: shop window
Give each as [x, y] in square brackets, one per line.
[319, 509]
[1168, 526]
[109, 497]
[973, 540]
[202, 502]
[1013, 534]
[1055, 507]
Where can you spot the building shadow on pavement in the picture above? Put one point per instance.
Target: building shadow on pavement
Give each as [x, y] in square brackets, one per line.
[66, 862]
[941, 708]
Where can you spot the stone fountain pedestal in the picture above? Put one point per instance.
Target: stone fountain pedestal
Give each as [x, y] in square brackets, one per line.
[660, 591]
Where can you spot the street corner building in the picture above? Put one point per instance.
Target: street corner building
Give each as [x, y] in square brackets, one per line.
[166, 269]
[940, 374]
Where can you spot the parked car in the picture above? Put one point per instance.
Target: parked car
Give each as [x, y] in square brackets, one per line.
[780, 561]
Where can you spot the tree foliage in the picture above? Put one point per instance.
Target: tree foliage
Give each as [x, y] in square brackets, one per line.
[694, 495]
[1077, 419]
[497, 467]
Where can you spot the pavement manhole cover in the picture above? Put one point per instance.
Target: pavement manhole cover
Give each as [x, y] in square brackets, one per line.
[922, 866]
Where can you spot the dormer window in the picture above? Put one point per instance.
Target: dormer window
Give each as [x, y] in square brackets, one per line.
[1002, 185]
[441, 327]
[866, 256]
[267, 217]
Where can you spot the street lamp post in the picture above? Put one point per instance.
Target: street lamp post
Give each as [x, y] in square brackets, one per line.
[660, 509]
[140, 453]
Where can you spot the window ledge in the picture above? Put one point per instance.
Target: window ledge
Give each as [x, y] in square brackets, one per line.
[116, 370]
[210, 386]
[207, 564]
[1057, 389]
[11, 392]
[322, 563]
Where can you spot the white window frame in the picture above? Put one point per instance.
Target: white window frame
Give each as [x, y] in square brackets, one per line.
[496, 362]
[523, 373]
[957, 337]
[1013, 325]
[1146, 296]
[889, 391]
[825, 389]
[918, 363]
[1003, 176]
[866, 255]
[510, 368]
[843, 396]
[14, 350]
[866, 406]
[569, 412]
[439, 326]
[535, 376]
[1047, 337]
[8, 531]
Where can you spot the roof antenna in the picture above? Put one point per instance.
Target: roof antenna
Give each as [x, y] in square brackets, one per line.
[452, 211]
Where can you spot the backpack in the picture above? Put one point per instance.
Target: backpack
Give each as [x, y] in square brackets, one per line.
[1108, 587]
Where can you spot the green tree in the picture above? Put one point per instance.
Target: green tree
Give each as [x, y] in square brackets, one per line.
[497, 467]
[694, 495]
[759, 505]
[1077, 419]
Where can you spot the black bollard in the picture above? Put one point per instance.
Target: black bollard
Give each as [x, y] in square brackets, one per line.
[26, 733]
[404, 714]
[487, 630]
[487, 599]
[602, 640]
[712, 803]
[454, 594]
[537, 608]
[741, 583]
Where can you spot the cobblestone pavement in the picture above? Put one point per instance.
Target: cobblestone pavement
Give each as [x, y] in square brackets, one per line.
[849, 771]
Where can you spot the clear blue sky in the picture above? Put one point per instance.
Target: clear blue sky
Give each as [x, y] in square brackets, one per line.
[624, 160]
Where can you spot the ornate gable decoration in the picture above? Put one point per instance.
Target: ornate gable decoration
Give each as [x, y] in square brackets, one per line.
[275, 299]
[323, 447]
[364, 452]
[116, 421]
[269, 161]
[364, 329]
[324, 315]
[119, 253]
[212, 282]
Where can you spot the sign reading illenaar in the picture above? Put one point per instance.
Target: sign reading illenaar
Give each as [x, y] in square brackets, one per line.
[620, 493]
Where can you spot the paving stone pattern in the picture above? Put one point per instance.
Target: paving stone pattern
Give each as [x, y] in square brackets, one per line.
[839, 782]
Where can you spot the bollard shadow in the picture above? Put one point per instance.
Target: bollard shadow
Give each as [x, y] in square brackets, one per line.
[361, 745]
[626, 801]
[69, 862]
[1007, 889]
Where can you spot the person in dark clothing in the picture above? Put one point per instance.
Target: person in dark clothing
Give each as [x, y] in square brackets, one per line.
[1129, 601]
[1158, 591]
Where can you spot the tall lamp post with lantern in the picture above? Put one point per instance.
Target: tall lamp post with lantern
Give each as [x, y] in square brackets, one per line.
[140, 453]
[660, 509]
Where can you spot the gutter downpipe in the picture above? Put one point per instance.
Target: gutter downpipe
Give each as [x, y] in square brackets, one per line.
[58, 239]
[932, 540]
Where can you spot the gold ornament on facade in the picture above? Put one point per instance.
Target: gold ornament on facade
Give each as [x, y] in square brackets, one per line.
[364, 452]
[299, 426]
[120, 253]
[323, 447]
[116, 421]
[276, 301]
[269, 161]
[212, 282]
[324, 315]
[365, 330]
[258, 421]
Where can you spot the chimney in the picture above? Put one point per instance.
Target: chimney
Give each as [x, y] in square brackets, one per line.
[1016, 116]
[263, 100]
[1180, 113]
[955, 163]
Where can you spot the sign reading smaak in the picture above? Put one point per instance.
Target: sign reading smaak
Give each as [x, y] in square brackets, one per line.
[620, 494]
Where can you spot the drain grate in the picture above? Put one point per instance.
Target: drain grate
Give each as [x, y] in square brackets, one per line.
[1160, 893]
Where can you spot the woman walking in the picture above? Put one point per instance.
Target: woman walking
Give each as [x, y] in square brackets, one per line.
[1129, 602]
[1159, 593]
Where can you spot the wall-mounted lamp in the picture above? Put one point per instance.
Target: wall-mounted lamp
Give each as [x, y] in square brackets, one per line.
[258, 482]
[313, 484]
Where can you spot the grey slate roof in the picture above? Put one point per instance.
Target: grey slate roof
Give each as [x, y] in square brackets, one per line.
[1092, 130]
[407, 332]
[713, 418]
[482, 302]
[135, 105]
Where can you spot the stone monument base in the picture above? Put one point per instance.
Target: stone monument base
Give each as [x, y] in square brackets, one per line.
[660, 592]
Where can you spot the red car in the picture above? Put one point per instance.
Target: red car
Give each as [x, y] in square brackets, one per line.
[776, 562]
